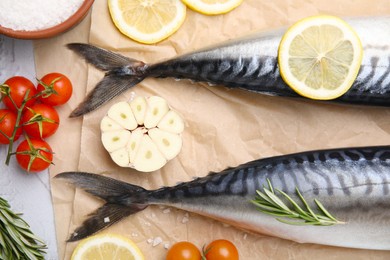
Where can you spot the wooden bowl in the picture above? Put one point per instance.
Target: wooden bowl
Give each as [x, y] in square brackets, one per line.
[73, 20]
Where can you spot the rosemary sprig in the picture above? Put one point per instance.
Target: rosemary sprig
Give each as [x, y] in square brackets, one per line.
[16, 239]
[269, 203]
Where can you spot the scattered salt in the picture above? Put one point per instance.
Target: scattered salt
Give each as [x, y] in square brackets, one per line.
[149, 241]
[106, 220]
[157, 241]
[148, 224]
[32, 15]
[245, 236]
[185, 218]
[134, 234]
[166, 245]
[165, 211]
[132, 96]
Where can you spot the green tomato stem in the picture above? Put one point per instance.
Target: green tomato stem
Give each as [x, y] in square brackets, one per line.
[17, 124]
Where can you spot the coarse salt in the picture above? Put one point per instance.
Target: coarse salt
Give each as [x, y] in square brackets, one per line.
[33, 15]
[157, 241]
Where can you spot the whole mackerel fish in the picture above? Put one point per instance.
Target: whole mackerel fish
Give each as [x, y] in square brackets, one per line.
[249, 63]
[353, 184]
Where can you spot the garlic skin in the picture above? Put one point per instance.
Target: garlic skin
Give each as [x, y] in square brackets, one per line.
[143, 134]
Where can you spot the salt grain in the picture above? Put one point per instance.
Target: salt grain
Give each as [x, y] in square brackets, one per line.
[157, 241]
[165, 211]
[32, 15]
[185, 218]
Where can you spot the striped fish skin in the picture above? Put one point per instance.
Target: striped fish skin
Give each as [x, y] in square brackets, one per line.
[249, 63]
[353, 184]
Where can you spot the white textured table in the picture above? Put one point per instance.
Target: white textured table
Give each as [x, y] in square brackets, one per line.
[27, 193]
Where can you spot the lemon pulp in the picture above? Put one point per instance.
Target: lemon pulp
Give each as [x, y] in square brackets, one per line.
[107, 246]
[319, 57]
[147, 21]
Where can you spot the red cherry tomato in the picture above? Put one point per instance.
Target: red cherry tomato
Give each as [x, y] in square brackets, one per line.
[221, 250]
[57, 89]
[34, 155]
[183, 251]
[7, 126]
[18, 87]
[40, 121]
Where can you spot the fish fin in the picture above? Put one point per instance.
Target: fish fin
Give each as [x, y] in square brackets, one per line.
[122, 200]
[102, 218]
[122, 73]
[100, 58]
[108, 88]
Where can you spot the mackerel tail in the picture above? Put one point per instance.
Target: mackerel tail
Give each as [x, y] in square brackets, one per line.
[353, 185]
[249, 63]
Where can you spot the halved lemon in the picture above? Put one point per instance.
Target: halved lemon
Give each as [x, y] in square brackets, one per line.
[107, 246]
[320, 56]
[212, 7]
[147, 21]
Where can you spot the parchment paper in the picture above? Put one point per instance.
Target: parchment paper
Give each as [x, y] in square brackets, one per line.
[223, 128]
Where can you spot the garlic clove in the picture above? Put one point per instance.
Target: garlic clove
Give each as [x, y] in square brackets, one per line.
[172, 122]
[107, 124]
[169, 144]
[156, 109]
[115, 140]
[138, 106]
[121, 157]
[122, 114]
[134, 142]
[148, 157]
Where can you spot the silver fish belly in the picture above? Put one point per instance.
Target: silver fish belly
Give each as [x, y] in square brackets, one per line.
[353, 184]
[249, 63]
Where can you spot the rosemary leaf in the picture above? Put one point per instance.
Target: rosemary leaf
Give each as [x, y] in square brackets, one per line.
[322, 208]
[306, 205]
[278, 202]
[270, 186]
[297, 222]
[269, 203]
[271, 209]
[16, 239]
[295, 205]
[265, 197]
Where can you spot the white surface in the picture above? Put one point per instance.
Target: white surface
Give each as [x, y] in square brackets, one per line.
[26, 193]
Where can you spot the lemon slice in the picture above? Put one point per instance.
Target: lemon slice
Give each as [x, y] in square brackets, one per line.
[147, 21]
[212, 7]
[320, 57]
[107, 246]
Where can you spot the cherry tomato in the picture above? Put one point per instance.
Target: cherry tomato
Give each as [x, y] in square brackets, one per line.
[183, 251]
[18, 87]
[40, 121]
[34, 155]
[56, 87]
[7, 125]
[221, 249]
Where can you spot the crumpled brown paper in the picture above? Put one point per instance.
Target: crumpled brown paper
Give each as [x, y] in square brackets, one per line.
[223, 128]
